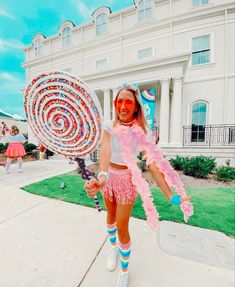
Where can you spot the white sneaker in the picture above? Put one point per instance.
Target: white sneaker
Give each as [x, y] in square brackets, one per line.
[19, 170]
[6, 171]
[122, 279]
[112, 258]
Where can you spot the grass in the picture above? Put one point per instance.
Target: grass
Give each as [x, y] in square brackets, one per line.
[214, 208]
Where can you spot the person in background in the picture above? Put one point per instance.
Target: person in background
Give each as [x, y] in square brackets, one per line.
[5, 130]
[15, 148]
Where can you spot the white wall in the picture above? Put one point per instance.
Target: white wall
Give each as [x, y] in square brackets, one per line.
[210, 92]
[211, 82]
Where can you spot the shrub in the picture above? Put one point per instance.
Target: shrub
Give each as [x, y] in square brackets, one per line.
[29, 147]
[199, 166]
[35, 153]
[3, 147]
[49, 153]
[141, 163]
[178, 162]
[140, 155]
[225, 173]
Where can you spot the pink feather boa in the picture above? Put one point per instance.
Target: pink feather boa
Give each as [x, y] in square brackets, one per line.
[126, 135]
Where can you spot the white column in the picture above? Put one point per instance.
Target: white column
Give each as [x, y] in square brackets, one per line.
[176, 113]
[164, 113]
[106, 104]
[115, 90]
[157, 101]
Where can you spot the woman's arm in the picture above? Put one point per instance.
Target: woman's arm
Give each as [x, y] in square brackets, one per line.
[105, 152]
[160, 180]
[93, 186]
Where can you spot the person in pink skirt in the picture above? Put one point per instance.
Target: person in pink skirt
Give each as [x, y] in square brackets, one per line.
[15, 148]
[120, 179]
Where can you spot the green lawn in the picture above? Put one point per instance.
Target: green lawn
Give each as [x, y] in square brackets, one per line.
[213, 207]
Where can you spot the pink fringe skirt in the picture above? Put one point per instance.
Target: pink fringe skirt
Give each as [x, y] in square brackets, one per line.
[120, 187]
[15, 150]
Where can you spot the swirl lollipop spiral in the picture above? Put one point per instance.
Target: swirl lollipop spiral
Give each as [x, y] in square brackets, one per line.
[64, 114]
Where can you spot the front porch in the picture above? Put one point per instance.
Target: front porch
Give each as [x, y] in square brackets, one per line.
[212, 140]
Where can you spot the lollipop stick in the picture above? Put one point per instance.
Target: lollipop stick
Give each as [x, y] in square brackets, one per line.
[87, 174]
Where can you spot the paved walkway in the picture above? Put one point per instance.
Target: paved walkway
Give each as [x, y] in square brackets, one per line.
[50, 243]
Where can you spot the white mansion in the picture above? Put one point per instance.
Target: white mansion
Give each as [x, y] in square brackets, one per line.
[184, 49]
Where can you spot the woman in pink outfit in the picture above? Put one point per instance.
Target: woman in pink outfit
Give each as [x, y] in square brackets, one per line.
[15, 148]
[115, 180]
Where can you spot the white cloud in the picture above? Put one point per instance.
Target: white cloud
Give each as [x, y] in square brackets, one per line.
[6, 76]
[3, 13]
[109, 2]
[83, 10]
[11, 43]
[11, 83]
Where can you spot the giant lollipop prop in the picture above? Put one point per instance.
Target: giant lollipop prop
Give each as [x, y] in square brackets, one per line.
[65, 115]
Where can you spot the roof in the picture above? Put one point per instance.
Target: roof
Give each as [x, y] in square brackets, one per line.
[5, 115]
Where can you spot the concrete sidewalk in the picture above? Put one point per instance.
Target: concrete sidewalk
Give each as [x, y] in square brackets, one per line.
[50, 243]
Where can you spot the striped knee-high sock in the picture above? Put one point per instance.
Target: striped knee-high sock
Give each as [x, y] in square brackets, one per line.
[125, 251]
[112, 232]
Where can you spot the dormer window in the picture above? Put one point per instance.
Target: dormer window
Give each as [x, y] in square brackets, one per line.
[145, 10]
[100, 18]
[101, 24]
[65, 31]
[66, 37]
[38, 44]
[38, 47]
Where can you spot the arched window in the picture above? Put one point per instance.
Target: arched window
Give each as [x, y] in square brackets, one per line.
[100, 18]
[144, 10]
[66, 37]
[38, 44]
[38, 47]
[101, 24]
[65, 32]
[199, 116]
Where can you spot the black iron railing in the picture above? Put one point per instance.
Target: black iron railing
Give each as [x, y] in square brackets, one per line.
[210, 135]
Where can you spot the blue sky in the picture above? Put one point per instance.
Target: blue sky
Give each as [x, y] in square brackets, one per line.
[20, 21]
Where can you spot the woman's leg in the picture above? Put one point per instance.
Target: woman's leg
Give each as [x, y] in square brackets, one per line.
[19, 160]
[111, 207]
[8, 163]
[123, 217]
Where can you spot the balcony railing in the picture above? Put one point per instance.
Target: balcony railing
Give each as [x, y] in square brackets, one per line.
[210, 135]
